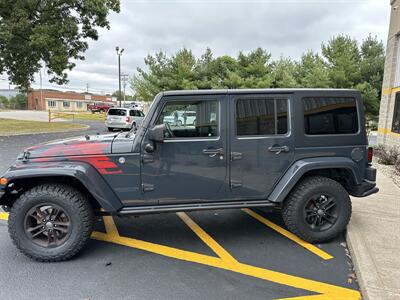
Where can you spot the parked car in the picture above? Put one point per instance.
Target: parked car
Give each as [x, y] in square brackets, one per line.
[301, 152]
[123, 118]
[179, 118]
[99, 107]
[137, 105]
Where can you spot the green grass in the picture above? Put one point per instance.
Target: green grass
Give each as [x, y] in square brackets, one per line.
[12, 127]
[88, 116]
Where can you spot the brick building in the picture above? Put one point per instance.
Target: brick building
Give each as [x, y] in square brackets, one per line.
[389, 113]
[63, 101]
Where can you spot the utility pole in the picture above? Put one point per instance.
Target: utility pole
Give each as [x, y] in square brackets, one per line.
[124, 80]
[119, 53]
[87, 87]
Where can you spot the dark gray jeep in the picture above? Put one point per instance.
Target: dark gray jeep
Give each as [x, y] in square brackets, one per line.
[302, 151]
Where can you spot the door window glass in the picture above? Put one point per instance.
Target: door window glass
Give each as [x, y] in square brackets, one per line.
[190, 119]
[330, 115]
[261, 116]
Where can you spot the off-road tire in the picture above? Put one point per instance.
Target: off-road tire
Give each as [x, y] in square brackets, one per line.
[292, 211]
[70, 200]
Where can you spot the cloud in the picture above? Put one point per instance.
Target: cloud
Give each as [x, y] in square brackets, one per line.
[285, 27]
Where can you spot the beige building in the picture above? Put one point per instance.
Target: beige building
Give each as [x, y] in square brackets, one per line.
[64, 101]
[389, 113]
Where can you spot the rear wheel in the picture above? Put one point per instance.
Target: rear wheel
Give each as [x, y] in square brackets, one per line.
[50, 222]
[318, 209]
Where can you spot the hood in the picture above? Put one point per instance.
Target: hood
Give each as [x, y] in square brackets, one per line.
[87, 145]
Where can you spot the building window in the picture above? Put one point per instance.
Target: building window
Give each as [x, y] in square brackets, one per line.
[396, 114]
[51, 103]
[330, 115]
[66, 104]
[79, 104]
[258, 116]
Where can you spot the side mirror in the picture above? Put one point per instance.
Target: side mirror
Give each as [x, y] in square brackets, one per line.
[156, 134]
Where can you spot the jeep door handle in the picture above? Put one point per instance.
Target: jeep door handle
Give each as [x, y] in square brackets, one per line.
[278, 149]
[213, 152]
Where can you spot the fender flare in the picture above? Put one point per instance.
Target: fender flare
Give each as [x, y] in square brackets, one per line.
[87, 175]
[295, 172]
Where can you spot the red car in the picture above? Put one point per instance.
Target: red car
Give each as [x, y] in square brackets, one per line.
[99, 107]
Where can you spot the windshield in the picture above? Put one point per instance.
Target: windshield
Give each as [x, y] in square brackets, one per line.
[116, 112]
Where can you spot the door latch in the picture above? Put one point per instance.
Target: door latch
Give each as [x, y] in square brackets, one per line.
[278, 149]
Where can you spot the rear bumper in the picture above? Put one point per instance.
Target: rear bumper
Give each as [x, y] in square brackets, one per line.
[118, 125]
[364, 189]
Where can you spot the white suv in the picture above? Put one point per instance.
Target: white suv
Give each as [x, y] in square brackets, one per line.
[123, 118]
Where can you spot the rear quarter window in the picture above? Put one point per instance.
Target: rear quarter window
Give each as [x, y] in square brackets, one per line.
[330, 115]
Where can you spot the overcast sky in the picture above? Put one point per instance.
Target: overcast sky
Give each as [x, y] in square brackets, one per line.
[283, 27]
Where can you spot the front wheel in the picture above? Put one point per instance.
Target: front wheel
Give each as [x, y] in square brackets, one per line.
[318, 209]
[50, 222]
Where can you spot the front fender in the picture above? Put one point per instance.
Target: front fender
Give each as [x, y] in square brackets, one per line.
[87, 175]
[300, 167]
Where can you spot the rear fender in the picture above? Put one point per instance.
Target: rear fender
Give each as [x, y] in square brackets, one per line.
[301, 167]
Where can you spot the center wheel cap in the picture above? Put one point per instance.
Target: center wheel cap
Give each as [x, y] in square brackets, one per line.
[320, 212]
[49, 225]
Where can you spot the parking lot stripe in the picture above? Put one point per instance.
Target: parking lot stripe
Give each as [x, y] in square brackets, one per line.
[289, 235]
[326, 291]
[206, 238]
[3, 216]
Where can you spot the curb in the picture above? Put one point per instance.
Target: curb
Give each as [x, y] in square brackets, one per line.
[84, 127]
[366, 271]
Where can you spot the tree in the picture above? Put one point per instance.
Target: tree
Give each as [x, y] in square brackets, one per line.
[3, 101]
[19, 101]
[53, 33]
[343, 59]
[372, 61]
[312, 72]
[284, 73]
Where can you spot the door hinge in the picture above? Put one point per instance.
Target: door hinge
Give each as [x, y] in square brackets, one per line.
[235, 184]
[147, 158]
[147, 187]
[236, 156]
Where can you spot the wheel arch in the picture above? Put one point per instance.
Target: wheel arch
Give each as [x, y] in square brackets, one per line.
[340, 169]
[78, 175]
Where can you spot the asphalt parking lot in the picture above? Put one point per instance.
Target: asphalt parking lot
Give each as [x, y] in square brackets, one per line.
[231, 254]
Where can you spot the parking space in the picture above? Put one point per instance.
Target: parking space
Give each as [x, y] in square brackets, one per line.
[199, 255]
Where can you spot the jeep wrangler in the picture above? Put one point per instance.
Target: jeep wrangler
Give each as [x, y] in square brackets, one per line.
[300, 151]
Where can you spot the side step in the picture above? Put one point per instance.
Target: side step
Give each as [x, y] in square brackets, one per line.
[138, 210]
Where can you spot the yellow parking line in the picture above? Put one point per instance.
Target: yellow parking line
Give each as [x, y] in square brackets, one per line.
[289, 235]
[206, 238]
[323, 289]
[3, 216]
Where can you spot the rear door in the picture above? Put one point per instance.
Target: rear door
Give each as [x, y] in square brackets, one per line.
[117, 116]
[261, 143]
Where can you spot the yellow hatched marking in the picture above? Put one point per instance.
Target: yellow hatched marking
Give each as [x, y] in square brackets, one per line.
[206, 238]
[3, 216]
[326, 291]
[289, 235]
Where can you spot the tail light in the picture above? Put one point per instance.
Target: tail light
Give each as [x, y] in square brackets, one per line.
[128, 119]
[370, 154]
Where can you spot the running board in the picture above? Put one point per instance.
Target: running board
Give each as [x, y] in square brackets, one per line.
[138, 210]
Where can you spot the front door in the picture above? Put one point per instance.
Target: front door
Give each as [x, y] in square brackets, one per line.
[191, 164]
[261, 143]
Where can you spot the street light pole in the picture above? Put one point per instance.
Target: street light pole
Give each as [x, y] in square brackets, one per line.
[119, 53]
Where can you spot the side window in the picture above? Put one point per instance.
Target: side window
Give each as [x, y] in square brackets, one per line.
[259, 116]
[190, 119]
[396, 115]
[330, 115]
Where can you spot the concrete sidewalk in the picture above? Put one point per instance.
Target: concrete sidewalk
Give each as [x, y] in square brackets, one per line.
[374, 241]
